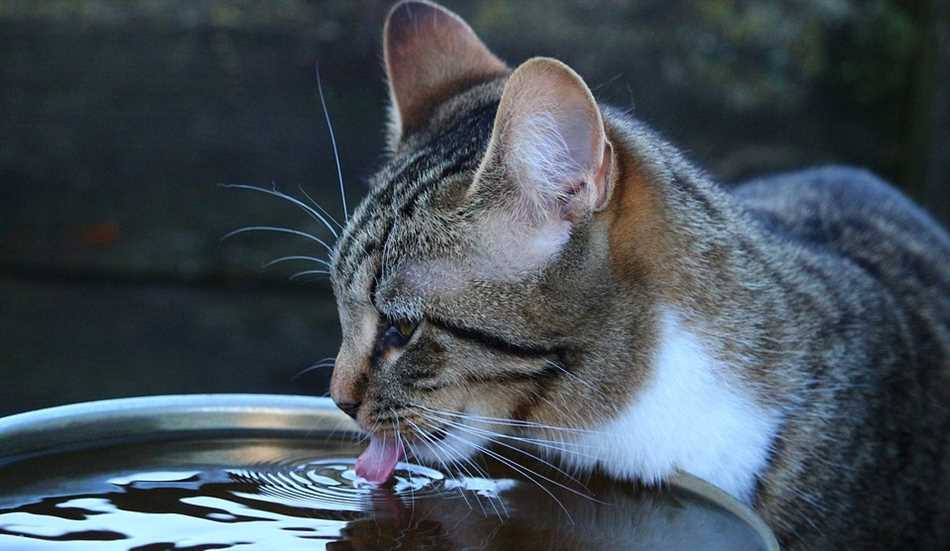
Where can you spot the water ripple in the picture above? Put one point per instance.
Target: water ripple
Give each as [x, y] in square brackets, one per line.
[331, 483]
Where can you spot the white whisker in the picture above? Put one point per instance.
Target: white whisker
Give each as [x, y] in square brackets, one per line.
[466, 429]
[305, 273]
[296, 257]
[278, 230]
[318, 207]
[425, 440]
[505, 422]
[399, 440]
[336, 152]
[479, 471]
[524, 471]
[312, 368]
[559, 446]
[577, 378]
[273, 192]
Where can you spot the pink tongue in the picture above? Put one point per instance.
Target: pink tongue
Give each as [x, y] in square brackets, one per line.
[377, 463]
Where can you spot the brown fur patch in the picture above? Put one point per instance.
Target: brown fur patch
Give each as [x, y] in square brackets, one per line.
[636, 225]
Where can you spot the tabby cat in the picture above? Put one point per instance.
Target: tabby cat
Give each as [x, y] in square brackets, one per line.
[530, 262]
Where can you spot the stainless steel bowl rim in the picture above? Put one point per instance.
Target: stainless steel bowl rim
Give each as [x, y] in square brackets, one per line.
[90, 424]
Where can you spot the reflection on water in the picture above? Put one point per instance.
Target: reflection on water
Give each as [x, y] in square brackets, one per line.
[332, 484]
[285, 495]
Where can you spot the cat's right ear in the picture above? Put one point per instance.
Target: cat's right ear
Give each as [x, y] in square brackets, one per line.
[430, 54]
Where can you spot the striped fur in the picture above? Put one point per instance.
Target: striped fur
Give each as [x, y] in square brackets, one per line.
[820, 302]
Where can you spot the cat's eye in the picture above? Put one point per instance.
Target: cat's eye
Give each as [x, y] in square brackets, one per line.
[406, 328]
[397, 333]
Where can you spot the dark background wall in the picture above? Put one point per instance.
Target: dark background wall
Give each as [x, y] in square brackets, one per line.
[118, 120]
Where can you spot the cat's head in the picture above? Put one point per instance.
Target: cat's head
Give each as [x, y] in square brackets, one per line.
[476, 276]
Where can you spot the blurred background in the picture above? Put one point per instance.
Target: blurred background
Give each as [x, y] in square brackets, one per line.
[118, 120]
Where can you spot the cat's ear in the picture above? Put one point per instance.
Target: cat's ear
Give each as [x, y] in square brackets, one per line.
[430, 54]
[546, 168]
[549, 143]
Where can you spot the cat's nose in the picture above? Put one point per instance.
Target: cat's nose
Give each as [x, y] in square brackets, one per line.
[348, 382]
[349, 408]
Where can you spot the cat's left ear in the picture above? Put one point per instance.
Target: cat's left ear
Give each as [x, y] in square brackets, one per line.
[549, 144]
[430, 54]
[547, 167]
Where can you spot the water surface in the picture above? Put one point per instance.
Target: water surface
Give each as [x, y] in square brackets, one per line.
[288, 494]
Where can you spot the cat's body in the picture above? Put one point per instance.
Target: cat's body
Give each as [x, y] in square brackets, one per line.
[527, 254]
[834, 291]
[864, 458]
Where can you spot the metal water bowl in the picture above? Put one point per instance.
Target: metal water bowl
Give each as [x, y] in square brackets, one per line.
[93, 455]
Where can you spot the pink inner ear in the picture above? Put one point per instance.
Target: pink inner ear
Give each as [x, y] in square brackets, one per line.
[552, 138]
[549, 143]
[578, 133]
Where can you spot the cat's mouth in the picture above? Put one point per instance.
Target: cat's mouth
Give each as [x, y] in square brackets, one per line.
[386, 449]
[439, 444]
[378, 461]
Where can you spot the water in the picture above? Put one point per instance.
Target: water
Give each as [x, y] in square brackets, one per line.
[271, 494]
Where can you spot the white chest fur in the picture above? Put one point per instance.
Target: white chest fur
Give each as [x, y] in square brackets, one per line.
[688, 416]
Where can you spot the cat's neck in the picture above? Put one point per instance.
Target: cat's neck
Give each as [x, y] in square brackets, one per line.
[687, 417]
[716, 391]
[704, 259]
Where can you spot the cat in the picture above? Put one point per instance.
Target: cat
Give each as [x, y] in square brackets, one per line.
[529, 263]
